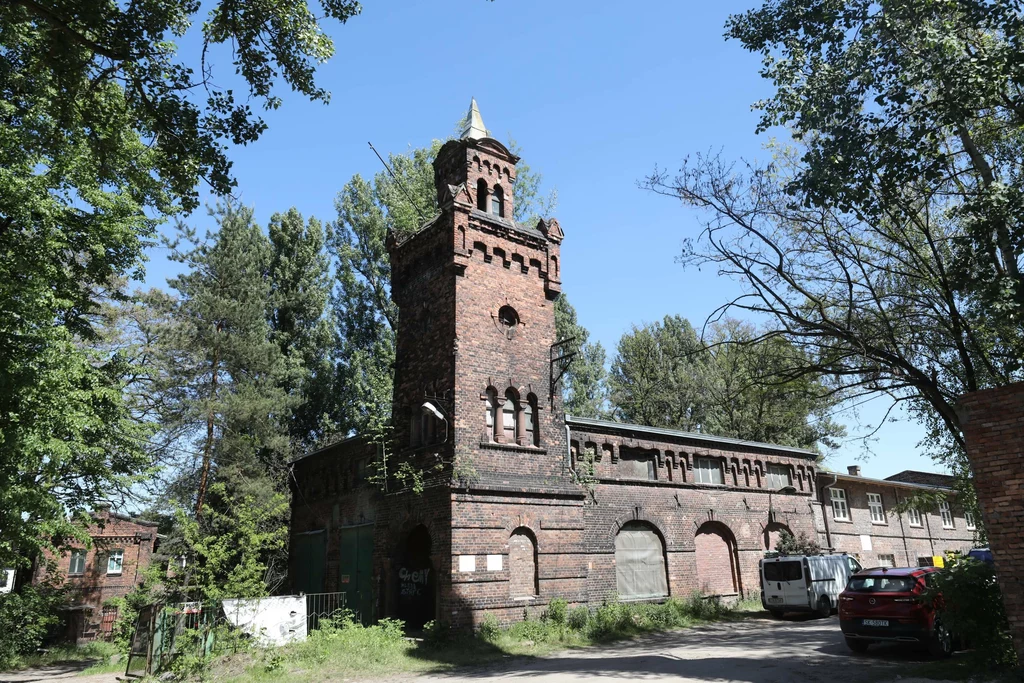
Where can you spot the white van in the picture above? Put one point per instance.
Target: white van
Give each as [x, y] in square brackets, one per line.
[805, 583]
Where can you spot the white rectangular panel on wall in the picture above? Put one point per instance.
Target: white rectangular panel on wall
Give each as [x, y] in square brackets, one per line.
[494, 563]
[467, 563]
[865, 542]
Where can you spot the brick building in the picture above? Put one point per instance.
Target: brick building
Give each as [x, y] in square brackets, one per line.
[122, 548]
[521, 503]
[860, 518]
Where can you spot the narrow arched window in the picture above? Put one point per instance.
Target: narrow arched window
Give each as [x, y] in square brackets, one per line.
[530, 432]
[510, 416]
[481, 194]
[498, 201]
[491, 407]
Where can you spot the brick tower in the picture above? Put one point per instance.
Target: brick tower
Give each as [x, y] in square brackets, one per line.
[473, 384]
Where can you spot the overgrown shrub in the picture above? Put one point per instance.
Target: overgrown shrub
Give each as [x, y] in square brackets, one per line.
[557, 611]
[578, 618]
[972, 607]
[489, 628]
[25, 619]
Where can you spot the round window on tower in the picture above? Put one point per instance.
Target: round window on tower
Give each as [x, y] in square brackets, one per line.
[508, 321]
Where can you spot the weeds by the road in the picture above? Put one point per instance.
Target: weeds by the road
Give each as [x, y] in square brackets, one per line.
[99, 653]
[345, 649]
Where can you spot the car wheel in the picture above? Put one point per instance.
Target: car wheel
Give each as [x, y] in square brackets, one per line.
[859, 646]
[824, 606]
[776, 613]
[941, 642]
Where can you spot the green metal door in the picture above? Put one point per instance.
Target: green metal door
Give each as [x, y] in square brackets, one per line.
[310, 553]
[356, 570]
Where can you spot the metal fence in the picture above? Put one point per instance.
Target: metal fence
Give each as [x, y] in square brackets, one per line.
[165, 631]
[321, 606]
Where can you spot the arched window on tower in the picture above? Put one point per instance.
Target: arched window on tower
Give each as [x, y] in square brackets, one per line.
[481, 194]
[498, 201]
[510, 416]
[530, 432]
[491, 408]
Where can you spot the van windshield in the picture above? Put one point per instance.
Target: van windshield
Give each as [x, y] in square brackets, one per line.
[882, 584]
[783, 571]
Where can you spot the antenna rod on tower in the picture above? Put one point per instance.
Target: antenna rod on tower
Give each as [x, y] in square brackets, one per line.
[405, 191]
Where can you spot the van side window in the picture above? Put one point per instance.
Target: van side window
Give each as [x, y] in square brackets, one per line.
[854, 565]
[783, 571]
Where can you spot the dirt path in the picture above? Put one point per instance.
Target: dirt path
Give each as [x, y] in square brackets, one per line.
[71, 671]
[754, 651]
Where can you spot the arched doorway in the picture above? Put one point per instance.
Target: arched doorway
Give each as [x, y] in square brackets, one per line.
[771, 535]
[717, 563]
[522, 564]
[416, 580]
[640, 562]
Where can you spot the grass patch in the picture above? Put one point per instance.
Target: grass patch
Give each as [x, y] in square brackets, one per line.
[345, 649]
[98, 652]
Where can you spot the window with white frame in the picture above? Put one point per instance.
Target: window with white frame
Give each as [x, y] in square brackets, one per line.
[914, 515]
[707, 471]
[969, 518]
[886, 560]
[839, 508]
[875, 506]
[77, 565]
[778, 477]
[115, 561]
[947, 515]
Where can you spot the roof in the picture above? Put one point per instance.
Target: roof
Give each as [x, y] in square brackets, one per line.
[475, 128]
[882, 482]
[328, 447]
[679, 434]
[927, 478]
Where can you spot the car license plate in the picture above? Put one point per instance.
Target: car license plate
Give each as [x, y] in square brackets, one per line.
[774, 600]
[876, 622]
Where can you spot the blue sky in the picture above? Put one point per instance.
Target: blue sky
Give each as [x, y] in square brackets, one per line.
[596, 94]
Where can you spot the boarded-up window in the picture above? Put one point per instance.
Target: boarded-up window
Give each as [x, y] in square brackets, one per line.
[522, 564]
[635, 464]
[640, 562]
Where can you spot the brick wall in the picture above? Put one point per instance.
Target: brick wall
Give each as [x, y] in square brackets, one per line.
[110, 532]
[993, 422]
[896, 536]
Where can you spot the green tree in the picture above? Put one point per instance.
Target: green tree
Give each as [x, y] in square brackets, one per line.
[584, 384]
[103, 133]
[758, 391]
[659, 375]
[221, 377]
[300, 275]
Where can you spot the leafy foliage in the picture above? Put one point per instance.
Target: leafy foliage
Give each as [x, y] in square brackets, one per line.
[969, 602]
[741, 384]
[104, 133]
[801, 544]
[584, 384]
[25, 618]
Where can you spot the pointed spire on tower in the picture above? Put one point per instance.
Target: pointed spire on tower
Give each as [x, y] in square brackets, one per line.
[474, 126]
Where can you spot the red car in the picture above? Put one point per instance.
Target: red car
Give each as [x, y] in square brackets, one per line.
[885, 604]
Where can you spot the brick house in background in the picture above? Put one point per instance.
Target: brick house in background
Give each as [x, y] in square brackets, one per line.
[521, 503]
[122, 548]
[860, 519]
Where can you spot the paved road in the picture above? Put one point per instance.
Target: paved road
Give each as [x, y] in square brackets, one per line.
[754, 651]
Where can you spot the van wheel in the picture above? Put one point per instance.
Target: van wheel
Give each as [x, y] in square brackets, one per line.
[824, 606]
[940, 645]
[776, 613]
[858, 646]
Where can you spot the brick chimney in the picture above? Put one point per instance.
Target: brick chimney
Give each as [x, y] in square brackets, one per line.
[854, 470]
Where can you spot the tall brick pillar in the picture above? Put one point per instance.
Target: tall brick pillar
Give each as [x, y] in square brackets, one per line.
[993, 422]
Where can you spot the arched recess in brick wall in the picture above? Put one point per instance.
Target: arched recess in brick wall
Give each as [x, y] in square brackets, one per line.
[416, 579]
[717, 561]
[771, 534]
[640, 569]
[522, 564]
